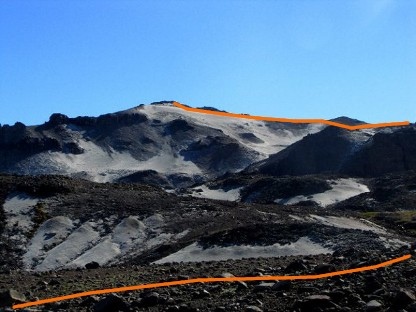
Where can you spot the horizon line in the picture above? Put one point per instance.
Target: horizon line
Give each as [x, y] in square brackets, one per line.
[292, 120]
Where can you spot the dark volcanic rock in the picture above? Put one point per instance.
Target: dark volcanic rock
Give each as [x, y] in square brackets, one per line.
[268, 189]
[10, 297]
[218, 154]
[324, 268]
[403, 297]
[282, 286]
[323, 152]
[315, 303]
[57, 119]
[150, 177]
[348, 121]
[296, 266]
[149, 298]
[335, 150]
[111, 303]
[92, 265]
[385, 153]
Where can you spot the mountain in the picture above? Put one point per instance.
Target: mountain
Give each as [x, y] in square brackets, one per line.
[191, 195]
[386, 152]
[363, 153]
[182, 147]
[348, 121]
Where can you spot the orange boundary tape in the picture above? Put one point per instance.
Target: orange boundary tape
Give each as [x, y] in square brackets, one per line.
[210, 280]
[291, 120]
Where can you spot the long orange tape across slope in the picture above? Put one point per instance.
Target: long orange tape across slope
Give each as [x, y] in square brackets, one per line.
[291, 120]
[210, 280]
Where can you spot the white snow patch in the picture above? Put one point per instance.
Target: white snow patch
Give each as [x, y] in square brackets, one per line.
[181, 234]
[349, 223]
[342, 189]
[129, 232]
[155, 221]
[393, 243]
[75, 244]
[297, 218]
[17, 209]
[50, 233]
[274, 140]
[101, 253]
[220, 194]
[99, 165]
[195, 253]
[58, 244]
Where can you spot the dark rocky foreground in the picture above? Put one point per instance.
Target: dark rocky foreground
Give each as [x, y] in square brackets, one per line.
[386, 289]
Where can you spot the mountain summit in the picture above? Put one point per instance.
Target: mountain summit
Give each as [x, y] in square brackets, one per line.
[182, 147]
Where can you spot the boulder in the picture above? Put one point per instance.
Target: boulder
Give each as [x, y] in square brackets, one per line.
[92, 265]
[10, 297]
[111, 303]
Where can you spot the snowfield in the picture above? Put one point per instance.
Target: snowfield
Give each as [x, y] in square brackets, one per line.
[196, 253]
[17, 209]
[349, 223]
[102, 166]
[51, 232]
[342, 189]
[77, 242]
[388, 240]
[270, 140]
[204, 192]
[107, 165]
[60, 242]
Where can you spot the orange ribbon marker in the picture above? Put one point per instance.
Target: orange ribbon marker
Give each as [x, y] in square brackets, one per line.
[291, 120]
[210, 280]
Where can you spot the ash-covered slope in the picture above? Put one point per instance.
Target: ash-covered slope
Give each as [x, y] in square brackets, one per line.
[386, 152]
[324, 152]
[52, 222]
[179, 146]
[364, 153]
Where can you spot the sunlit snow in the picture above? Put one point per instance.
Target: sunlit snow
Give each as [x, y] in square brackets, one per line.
[196, 253]
[342, 189]
[204, 192]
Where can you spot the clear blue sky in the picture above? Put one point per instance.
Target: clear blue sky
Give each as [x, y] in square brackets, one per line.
[298, 59]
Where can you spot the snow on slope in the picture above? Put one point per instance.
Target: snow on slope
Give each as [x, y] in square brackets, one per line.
[128, 232]
[196, 253]
[273, 140]
[17, 209]
[51, 232]
[102, 165]
[342, 189]
[385, 236]
[349, 223]
[204, 192]
[99, 165]
[59, 243]
[77, 242]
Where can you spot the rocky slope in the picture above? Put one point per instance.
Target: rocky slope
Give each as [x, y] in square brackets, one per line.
[182, 147]
[389, 289]
[365, 153]
[180, 205]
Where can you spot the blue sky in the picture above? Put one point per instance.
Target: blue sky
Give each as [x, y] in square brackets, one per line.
[296, 59]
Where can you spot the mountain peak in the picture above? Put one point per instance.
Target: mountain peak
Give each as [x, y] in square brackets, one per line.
[162, 103]
[210, 108]
[348, 121]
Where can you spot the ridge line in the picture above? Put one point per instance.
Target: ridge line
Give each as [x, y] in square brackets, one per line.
[292, 120]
